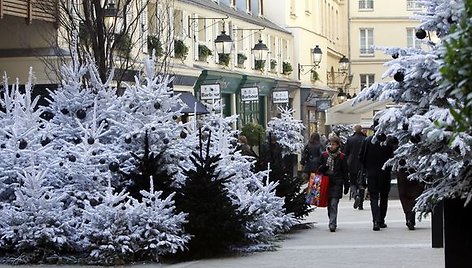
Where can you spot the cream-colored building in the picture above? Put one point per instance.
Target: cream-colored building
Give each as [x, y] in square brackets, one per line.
[322, 24]
[378, 24]
[373, 26]
[186, 31]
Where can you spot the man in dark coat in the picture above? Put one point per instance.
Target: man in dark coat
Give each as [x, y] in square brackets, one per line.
[373, 157]
[351, 150]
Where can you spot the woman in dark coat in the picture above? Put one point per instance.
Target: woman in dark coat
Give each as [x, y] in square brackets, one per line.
[311, 155]
[333, 164]
[408, 191]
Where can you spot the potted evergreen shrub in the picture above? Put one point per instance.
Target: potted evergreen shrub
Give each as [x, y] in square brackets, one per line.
[223, 59]
[155, 44]
[259, 65]
[123, 45]
[203, 52]
[180, 49]
[314, 75]
[287, 68]
[273, 64]
[241, 59]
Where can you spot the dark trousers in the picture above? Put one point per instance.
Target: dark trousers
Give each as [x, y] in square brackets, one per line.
[333, 211]
[378, 206]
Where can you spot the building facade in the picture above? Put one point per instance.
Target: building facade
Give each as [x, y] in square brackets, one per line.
[374, 25]
[316, 25]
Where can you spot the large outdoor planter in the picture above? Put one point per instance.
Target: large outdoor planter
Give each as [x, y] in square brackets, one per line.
[457, 233]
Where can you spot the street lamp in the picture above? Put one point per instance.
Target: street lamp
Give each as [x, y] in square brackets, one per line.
[259, 49]
[344, 64]
[110, 13]
[316, 55]
[223, 43]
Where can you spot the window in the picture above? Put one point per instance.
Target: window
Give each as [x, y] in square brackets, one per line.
[366, 4]
[293, 8]
[178, 24]
[308, 6]
[411, 40]
[413, 5]
[366, 80]
[367, 41]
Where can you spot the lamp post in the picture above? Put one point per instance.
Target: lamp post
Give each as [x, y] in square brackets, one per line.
[110, 13]
[340, 79]
[316, 55]
[260, 51]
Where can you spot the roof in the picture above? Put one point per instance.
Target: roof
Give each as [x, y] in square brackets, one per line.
[231, 12]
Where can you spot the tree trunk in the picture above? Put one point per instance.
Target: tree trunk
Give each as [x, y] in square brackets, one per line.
[457, 233]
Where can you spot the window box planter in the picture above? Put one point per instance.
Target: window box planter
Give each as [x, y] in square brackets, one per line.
[153, 43]
[286, 68]
[259, 65]
[273, 65]
[203, 52]
[180, 49]
[223, 59]
[241, 59]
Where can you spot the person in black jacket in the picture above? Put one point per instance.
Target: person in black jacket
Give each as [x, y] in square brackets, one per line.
[351, 150]
[373, 157]
[311, 155]
[334, 165]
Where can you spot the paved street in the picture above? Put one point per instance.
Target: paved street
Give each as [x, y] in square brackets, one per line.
[353, 245]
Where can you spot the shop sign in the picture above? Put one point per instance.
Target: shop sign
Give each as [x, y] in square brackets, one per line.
[210, 92]
[280, 97]
[323, 105]
[250, 94]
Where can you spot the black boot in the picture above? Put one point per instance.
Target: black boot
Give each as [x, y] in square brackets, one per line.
[410, 220]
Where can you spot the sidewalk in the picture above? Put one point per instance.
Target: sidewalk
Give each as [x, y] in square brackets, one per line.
[353, 245]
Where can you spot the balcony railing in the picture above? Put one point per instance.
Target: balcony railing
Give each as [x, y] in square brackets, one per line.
[45, 10]
[366, 4]
[367, 51]
[413, 5]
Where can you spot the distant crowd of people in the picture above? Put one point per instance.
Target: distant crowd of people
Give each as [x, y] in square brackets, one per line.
[356, 167]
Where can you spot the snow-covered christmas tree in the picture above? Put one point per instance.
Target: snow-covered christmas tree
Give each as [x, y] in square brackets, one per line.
[428, 148]
[288, 131]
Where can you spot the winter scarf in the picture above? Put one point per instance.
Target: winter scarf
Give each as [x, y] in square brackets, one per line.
[331, 157]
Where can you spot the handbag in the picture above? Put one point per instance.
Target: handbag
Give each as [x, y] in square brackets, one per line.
[317, 190]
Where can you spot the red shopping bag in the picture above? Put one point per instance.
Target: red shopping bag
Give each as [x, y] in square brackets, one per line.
[317, 190]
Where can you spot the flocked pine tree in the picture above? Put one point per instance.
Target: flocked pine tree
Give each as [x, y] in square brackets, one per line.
[287, 132]
[429, 150]
[250, 191]
[23, 139]
[36, 227]
[214, 222]
[151, 140]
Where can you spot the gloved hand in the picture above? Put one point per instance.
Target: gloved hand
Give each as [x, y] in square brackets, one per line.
[346, 189]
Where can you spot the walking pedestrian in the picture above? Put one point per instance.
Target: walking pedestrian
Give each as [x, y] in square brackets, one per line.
[244, 147]
[408, 191]
[351, 150]
[334, 165]
[373, 157]
[311, 155]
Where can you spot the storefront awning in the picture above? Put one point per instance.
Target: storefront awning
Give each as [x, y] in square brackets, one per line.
[193, 104]
[360, 113]
[264, 84]
[229, 82]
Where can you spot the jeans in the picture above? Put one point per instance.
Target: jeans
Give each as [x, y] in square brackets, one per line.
[333, 211]
[378, 206]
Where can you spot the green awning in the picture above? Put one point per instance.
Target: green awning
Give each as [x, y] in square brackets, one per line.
[229, 82]
[264, 84]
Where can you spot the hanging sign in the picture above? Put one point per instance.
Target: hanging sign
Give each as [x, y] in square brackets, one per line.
[249, 94]
[280, 97]
[210, 92]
